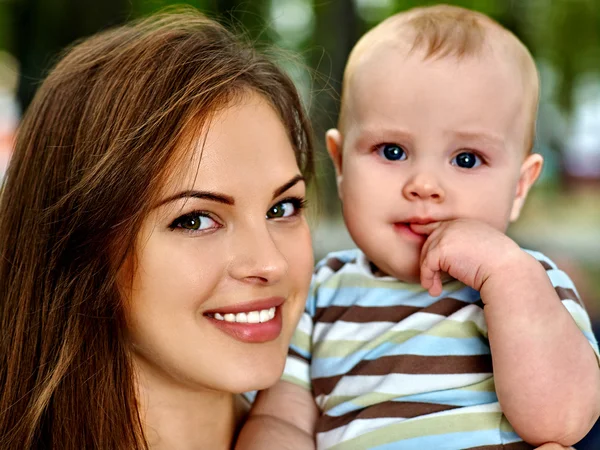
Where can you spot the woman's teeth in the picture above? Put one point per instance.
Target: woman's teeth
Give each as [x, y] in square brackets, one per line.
[264, 315]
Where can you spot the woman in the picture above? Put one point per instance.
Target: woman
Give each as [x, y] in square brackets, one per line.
[155, 258]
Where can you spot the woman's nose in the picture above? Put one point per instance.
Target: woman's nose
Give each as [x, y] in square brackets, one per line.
[423, 187]
[257, 257]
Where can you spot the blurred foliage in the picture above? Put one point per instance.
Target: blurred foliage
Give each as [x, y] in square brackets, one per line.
[565, 33]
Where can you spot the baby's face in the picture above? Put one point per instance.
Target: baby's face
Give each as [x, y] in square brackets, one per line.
[429, 141]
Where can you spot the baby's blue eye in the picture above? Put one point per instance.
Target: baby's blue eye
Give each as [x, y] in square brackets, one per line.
[466, 160]
[392, 152]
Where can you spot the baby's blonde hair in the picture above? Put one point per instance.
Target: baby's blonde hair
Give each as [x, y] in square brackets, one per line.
[442, 31]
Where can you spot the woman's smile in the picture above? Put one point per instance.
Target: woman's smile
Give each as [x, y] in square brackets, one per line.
[253, 322]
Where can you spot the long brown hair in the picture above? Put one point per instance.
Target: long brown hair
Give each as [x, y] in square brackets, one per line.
[91, 153]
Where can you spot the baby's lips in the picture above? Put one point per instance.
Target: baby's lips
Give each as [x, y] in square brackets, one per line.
[424, 229]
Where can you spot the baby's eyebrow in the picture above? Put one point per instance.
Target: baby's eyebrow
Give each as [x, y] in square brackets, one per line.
[486, 138]
[368, 136]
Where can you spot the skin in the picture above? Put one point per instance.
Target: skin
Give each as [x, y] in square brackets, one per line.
[200, 255]
[423, 215]
[406, 102]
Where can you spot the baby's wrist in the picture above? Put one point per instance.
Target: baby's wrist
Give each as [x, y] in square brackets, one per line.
[515, 268]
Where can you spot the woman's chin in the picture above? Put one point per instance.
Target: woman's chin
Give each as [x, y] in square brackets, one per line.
[257, 380]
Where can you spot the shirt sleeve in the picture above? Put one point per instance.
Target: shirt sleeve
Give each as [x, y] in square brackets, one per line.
[566, 291]
[297, 365]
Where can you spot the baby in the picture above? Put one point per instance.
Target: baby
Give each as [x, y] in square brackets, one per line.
[433, 161]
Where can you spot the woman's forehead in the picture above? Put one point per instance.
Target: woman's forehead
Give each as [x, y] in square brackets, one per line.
[243, 146]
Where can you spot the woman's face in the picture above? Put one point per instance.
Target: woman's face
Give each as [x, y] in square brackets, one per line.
[224, 260]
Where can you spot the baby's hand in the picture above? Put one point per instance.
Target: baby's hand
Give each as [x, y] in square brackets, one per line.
[467, 250]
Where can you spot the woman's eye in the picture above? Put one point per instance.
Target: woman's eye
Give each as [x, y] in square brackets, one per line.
[391, 152]
[194, 222]
[285, 208]
[466, 160]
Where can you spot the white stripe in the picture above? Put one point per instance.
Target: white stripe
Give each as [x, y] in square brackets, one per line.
[305, 325]
[561, 279]
[297, 368]
[342, 330]
[470, 313]
[403, 384]
[353, 429]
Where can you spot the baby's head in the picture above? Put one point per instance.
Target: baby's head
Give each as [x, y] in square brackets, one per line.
[437, 123]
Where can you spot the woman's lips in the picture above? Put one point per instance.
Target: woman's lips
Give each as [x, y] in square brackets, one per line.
[253, 322]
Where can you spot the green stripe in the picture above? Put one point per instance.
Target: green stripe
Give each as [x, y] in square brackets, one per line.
[297, 381]
[457, 423]
[453, 329]
[486, 385]
[301, 340]
[345, 348]
[359, 280]
[328, 349]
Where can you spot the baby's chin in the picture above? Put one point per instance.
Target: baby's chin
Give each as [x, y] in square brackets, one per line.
[404, 274]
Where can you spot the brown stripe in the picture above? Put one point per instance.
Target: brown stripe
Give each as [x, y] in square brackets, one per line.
[295, 354]
[546, 267]
[565, 293]
[409, 364]
[335, 264]
[446, 306]
[381, 410]
[376, 271]
[325, 385]
[514, 446]
[364, 314]
[424, 365]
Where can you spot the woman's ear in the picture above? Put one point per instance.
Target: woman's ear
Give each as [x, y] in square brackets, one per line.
[334, 143]
[530, 171]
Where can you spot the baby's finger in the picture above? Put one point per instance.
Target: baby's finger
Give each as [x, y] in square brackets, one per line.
[430, 244]
[430, 274]
[436, 288]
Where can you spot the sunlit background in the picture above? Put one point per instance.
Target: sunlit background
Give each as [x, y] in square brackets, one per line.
[562, 217]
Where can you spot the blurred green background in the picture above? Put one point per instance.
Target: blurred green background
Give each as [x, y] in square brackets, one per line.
[562, 217]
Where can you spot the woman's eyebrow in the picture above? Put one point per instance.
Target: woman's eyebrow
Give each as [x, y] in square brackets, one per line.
[280, 190]
[206, 195]
[223, 198]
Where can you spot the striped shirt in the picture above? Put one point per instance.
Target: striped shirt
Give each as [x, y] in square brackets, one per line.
[391, 367]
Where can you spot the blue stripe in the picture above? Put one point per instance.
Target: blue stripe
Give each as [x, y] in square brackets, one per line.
[559, 278]
[456, 397]
[446, 441]
[300, 351]
[369, 296]
[450, 397]
[590, 337]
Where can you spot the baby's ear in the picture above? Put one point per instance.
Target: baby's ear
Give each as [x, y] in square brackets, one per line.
[334, 143]
[530, 171]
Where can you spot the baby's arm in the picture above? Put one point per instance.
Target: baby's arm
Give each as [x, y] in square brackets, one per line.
[283, 417]
[546, 373]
